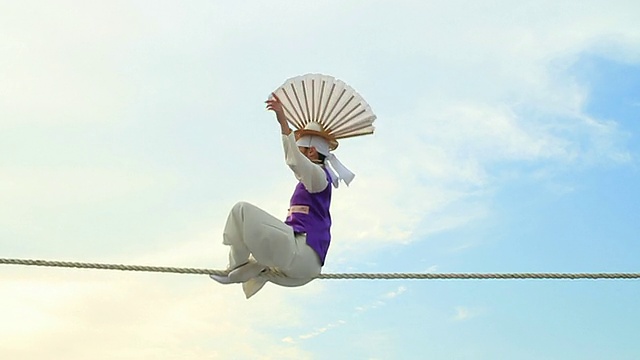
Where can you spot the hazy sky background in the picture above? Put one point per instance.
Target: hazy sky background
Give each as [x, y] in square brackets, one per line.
[506, 141]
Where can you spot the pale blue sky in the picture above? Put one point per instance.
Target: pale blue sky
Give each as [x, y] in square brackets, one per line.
[506, 141]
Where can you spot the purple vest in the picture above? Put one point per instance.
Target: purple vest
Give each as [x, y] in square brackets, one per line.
[317, 222]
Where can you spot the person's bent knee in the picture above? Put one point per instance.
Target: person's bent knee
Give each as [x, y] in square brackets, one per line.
[240, 206]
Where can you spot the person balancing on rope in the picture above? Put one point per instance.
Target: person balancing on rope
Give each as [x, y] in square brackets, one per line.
[296, 248]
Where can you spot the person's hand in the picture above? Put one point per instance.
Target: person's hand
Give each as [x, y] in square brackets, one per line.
[274, 104]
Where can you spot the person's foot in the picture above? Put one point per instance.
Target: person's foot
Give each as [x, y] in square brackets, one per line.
[222, 279]
[246, 272]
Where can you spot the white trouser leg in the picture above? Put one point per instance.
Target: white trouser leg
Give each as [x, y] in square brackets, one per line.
[252, 231]
[304, 267]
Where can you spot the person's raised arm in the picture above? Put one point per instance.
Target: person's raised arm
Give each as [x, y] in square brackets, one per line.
[311, 175]
[274, 104]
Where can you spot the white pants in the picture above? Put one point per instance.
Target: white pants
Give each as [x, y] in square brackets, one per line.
[251, 231]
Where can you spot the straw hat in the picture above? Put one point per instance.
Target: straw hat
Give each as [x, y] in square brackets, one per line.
[315, 129]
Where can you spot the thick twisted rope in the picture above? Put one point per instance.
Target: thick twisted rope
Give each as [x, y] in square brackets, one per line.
[379, 276]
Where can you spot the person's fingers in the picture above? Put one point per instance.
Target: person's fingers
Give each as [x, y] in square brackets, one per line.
[274, 104]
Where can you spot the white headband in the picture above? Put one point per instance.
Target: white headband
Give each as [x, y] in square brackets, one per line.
[322, 146]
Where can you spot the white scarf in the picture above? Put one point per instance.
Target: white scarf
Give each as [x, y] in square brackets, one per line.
[337, 171]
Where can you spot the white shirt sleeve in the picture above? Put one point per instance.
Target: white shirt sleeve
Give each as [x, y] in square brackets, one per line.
[311, 175]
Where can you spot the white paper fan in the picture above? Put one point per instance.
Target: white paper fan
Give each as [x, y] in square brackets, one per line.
[336, 106]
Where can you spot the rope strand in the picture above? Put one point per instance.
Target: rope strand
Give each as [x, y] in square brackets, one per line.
[378, 276]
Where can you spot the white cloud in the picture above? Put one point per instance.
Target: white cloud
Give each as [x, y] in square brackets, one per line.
[463, 313]
[144, 316]
[396, 293]
[321, 330]
[432, 269]
[439, 170]
[462, 247]
[59, 187]
[381, 301]
[370, 306]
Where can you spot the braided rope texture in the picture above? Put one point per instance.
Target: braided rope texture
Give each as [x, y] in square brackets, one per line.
[378, 276]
